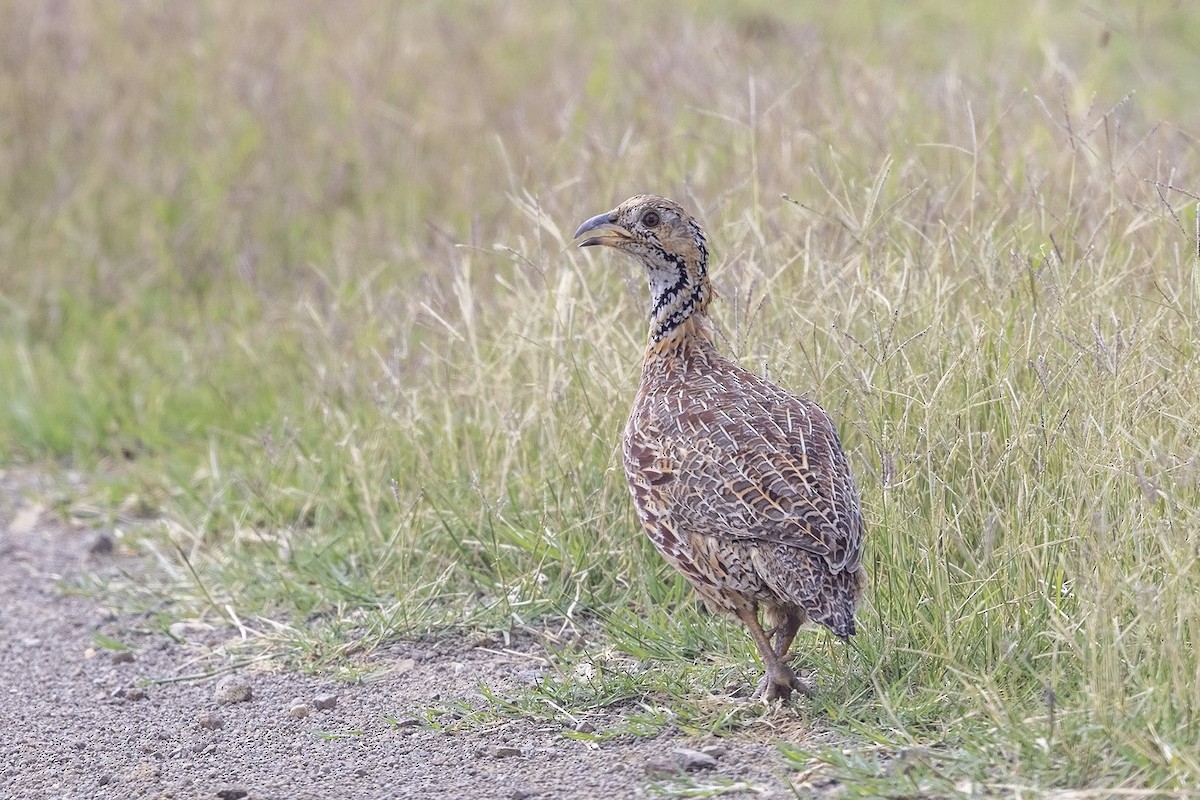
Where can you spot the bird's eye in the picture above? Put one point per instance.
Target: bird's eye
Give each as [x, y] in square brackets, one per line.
[650, 219]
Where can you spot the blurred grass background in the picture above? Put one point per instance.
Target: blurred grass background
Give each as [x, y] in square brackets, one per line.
[296, 281]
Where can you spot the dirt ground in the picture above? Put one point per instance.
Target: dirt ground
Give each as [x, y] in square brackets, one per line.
[79, 720]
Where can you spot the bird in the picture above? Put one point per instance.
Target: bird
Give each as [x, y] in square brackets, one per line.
[741, 485]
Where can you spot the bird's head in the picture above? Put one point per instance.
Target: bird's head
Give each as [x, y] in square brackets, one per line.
[654, 230]
[671, 246]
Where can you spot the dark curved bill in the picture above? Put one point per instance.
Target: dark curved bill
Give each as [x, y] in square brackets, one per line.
[604, 230]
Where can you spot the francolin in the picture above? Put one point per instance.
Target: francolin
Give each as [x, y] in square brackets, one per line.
[742, 486]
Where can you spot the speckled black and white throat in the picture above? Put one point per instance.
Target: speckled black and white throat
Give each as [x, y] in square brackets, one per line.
[678, 289]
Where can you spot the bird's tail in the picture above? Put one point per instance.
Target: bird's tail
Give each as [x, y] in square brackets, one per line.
[841, 596]
[828, 599]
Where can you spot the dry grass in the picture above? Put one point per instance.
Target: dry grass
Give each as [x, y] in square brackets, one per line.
[300, 281]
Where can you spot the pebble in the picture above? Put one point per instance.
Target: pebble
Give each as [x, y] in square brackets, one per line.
[694, 760]
[145, 771]
[530, 677]
[325, 702]
[232, 794]
[585, 727]
[232, 689]
[658, 768]
[298, 709]
[101, 544]
[209, 721]
[501, 751]
[123, 657]
[189, 631]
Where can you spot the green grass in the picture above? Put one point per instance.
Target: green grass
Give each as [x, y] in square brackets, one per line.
[299, 283]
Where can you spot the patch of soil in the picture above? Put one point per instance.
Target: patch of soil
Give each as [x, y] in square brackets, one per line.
[79, 720]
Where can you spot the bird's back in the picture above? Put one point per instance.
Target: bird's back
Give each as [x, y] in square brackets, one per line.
[744, 486]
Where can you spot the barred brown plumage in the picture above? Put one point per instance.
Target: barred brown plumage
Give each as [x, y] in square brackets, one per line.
[742, 486]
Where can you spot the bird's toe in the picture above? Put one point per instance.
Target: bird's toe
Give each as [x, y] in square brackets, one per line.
[779, 685]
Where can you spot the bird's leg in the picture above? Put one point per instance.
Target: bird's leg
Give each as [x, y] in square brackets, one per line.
[785, 632]
[780, 680]
[784, 622]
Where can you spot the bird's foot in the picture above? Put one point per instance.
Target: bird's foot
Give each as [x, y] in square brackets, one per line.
[779, 685]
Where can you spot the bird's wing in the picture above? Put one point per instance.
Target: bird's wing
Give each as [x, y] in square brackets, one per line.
[762, 465]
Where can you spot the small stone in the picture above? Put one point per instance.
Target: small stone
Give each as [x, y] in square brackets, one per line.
[209, 721]
[583, 726]
[232, 794]
[298, 710]
[232, 689]
[521, 793]
[105, 780]
[325, 702]
[504, 751]
[694, 760]
[123, 657]
[714, 750]
[659, 768]
[130, 693]
[146, 771]
[189, 631]
[531, 677]
[101, 544]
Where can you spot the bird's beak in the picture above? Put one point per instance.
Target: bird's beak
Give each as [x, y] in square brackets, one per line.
[603, 229]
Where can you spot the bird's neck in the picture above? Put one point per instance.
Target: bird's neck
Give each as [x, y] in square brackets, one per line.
[679, 304]
[694, 333]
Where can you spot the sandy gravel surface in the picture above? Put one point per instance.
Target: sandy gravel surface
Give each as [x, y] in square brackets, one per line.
[78, 720]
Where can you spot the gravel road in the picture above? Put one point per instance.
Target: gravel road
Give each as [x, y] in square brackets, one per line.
[79, 720]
